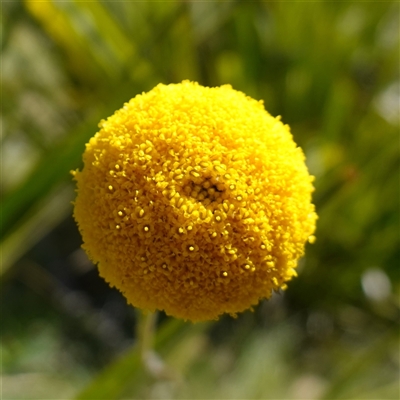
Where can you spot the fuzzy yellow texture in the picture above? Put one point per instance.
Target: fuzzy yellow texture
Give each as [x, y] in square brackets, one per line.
[195, 201]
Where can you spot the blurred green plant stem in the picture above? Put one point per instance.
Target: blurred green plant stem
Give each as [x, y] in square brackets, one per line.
[146, 333]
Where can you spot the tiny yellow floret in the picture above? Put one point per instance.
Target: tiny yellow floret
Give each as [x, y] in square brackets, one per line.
[194, 200]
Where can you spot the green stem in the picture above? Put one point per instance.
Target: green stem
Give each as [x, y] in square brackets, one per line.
[152, 362]
[146, 332]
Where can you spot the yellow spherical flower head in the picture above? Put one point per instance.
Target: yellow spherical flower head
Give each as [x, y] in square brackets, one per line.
[194, 200]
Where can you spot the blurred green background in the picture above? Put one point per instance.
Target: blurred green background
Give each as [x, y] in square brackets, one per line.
[331, 69]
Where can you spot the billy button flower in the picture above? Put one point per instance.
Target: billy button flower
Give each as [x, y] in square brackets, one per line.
[195, 201]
